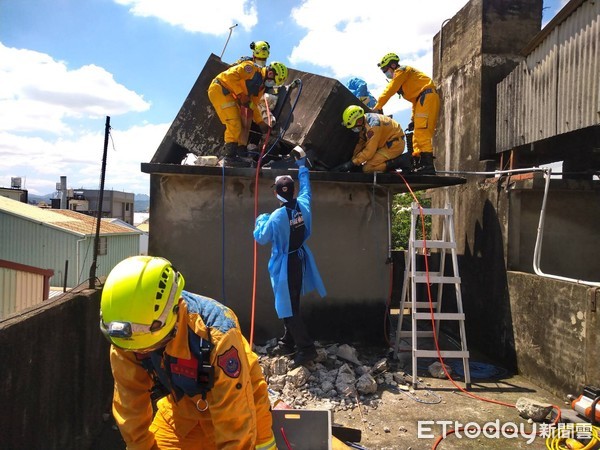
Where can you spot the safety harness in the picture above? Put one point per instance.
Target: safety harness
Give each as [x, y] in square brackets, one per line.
[179, 376]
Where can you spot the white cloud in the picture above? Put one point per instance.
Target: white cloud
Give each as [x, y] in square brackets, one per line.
[39, 94]
[349, 38]
[42, 162]
[198, 16]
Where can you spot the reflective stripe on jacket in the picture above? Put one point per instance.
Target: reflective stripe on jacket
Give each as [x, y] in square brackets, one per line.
[378, 133]
[238, 413]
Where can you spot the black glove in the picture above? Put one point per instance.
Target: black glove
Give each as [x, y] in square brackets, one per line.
[264, 128]
[345, 167]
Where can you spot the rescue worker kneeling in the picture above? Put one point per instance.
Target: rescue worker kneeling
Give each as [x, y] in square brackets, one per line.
[380, 142]
[186, 353]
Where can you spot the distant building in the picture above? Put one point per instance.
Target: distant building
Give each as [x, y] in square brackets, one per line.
[115, 204]
[63, 241]
[17, 194]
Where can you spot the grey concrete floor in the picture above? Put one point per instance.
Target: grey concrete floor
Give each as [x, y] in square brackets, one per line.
[394, 424]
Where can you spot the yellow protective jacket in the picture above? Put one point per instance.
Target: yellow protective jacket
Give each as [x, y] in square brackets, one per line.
[407, 82]
[238, 414]
[379, 134]
[244, 79]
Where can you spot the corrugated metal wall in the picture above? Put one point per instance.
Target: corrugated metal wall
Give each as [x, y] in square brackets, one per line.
[26, 242]
[19, 290]
[556, 89]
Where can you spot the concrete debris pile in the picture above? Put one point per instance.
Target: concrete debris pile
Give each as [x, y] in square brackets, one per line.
[339, 379]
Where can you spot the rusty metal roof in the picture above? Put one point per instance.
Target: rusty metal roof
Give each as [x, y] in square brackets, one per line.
[70, 221]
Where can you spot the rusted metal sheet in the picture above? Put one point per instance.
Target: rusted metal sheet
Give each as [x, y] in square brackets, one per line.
[22, 287]
[555, 90]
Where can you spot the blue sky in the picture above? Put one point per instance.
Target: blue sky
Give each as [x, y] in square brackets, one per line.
[67, 64]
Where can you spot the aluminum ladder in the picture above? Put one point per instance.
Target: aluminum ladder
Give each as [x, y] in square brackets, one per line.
[420, 309]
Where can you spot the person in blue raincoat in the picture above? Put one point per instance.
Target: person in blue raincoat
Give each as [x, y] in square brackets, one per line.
[292, 266]
[359, 88]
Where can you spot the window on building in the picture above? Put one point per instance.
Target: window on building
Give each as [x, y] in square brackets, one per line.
[102, 245]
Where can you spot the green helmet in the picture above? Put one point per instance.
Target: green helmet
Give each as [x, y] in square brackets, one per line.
[351, 114]
[139, 302]
[387, 59]
[281, 72]
[260, 49]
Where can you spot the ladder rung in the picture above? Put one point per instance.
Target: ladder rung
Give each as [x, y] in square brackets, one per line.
[439, 316]
[434, 244]
[443, 353]
[433, 211]
[420, 277]
[420, 304]
[419, 334]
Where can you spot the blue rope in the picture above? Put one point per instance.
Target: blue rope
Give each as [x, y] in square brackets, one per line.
[478, 370]
[287, 122]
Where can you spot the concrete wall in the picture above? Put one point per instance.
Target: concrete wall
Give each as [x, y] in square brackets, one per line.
[56, 379]
[472, 53]
[570, 240]
[557, 332]
[544, 329]
[349, 243]
[536, 325]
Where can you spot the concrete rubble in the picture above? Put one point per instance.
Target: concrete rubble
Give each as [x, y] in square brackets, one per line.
[339, 379]
[533, 409]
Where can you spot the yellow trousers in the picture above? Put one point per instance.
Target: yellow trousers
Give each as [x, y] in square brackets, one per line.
[377, 162]
[425, 115]
[229, 113]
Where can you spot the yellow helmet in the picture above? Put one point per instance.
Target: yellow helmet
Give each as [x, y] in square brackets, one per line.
[139, 302]
[351, 114]
[260, 49]
[281, 72]
[387, 59]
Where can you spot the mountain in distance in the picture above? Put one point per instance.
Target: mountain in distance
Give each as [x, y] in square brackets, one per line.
[141, 203]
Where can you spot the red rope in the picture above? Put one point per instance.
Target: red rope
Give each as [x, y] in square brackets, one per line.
[255, 257]
[435, 338]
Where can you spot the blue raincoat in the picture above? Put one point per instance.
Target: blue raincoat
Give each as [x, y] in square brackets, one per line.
[275, 228]
[359, 88]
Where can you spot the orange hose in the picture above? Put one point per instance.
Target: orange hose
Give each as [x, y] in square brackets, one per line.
[255, 257]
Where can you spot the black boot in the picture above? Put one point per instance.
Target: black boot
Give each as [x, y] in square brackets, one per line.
[231, 158]
[403, 162]
[424, 164]
[243, 155]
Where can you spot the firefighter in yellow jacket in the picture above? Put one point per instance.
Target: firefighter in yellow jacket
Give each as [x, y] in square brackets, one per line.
[183, 356]
[419, 89]
[237, 90]
[380, 144]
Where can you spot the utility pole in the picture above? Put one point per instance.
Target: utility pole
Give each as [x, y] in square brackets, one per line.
[92, 280]
[227, 42]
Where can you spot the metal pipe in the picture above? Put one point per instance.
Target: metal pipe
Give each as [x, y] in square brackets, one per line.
[537, 252]
[78, 262]
[65, 277]
[227, 42]
[441, 43]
